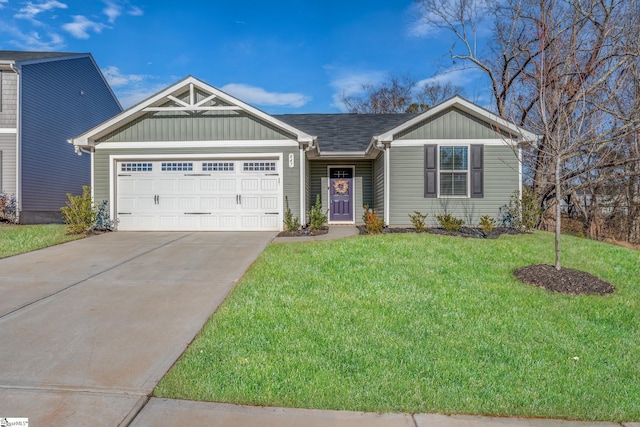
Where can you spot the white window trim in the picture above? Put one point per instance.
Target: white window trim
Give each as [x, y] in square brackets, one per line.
[467, 171]
[353, 193]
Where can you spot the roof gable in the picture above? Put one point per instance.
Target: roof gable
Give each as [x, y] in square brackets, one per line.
[195, 102]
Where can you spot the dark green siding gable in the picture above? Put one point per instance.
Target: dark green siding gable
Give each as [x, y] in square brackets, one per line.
[203, 126]
[452, 123]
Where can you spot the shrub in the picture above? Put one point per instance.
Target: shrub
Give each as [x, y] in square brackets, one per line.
[372, 223]
[418, 220]
[450, 222]
[79, 214]
[291, 223]
[523, 212]
[103, 220]
[8, 208]
[487, 223]
[317, 217]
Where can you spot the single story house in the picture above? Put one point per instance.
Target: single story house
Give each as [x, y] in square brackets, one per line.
[192, 157]
[45, 99]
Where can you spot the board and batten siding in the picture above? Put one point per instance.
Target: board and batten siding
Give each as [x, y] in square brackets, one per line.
[291, 176]
[363, 180]
[207, 126]
[378, 185]
[60, 100]
[9, 99]
[8, 166]
[451, 123]
[501, 179]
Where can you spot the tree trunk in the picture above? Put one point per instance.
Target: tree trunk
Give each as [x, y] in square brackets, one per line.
[558, 215]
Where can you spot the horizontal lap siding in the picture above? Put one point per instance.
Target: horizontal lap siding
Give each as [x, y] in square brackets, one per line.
[8, 149]
[9, 97]
[364, 185]
[378, 185]
[60, 100]
[291, 178]
[407, 186]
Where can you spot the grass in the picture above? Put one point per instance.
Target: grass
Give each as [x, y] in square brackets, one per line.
[17, 239]
[422, 323]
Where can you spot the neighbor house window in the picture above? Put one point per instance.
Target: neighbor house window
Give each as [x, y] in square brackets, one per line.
[454, 170]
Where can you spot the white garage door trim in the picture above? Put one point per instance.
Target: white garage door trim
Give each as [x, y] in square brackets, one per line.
[116, 159]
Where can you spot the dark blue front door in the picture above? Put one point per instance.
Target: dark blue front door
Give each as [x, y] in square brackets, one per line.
[341, 194]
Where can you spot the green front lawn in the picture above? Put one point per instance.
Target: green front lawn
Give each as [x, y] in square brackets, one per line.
[17, 239]
[422, 323]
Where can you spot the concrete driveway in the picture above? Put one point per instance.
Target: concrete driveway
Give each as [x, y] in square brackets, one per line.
[88, 328]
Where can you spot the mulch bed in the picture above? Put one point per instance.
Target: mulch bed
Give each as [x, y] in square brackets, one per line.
[566, 281]
[304, 232]
[470, 232]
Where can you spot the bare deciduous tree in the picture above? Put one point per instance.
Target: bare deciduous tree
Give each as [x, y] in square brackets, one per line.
[399, 94]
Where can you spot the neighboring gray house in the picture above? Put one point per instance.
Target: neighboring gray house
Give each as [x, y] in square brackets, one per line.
[46, 98]
[195, 158]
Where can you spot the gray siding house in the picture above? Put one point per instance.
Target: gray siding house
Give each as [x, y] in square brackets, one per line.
[195, 158]
[46, 98]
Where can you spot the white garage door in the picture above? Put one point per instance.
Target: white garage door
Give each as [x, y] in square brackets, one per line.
[185, 195]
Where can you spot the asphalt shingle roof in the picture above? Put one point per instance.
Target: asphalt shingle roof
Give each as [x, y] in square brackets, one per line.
[344, 132]
[19, 55]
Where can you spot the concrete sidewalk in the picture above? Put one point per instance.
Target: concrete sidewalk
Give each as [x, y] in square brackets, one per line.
[169, 413]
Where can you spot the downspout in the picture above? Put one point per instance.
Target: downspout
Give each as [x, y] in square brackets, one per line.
[387, 184]
[16, 69]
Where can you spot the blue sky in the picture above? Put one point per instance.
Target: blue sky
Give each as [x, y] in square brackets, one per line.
[282, 57]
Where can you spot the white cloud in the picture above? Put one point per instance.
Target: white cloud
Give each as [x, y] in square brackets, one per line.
[116, 78]
[32, 40]
[132, 95]
[135, 11]
[112, 10]
[259, 96]
[2, 2]
[81, 26]
[348, 82]
[455, 76]
[31, 10]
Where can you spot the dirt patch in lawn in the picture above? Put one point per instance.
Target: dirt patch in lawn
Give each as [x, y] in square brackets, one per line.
[304, 232]
[566, 280]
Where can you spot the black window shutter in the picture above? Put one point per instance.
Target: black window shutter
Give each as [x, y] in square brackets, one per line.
[477, 171]
[431, 171]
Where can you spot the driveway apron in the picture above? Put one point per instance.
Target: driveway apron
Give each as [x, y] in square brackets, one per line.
[88, 328]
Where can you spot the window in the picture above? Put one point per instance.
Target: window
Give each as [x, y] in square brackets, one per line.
[454, 171]
[136, 167]
[218, 167]
[259, 166]
[177, 167]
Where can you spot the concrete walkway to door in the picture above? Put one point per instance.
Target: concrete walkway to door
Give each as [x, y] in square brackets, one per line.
[88, 328]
